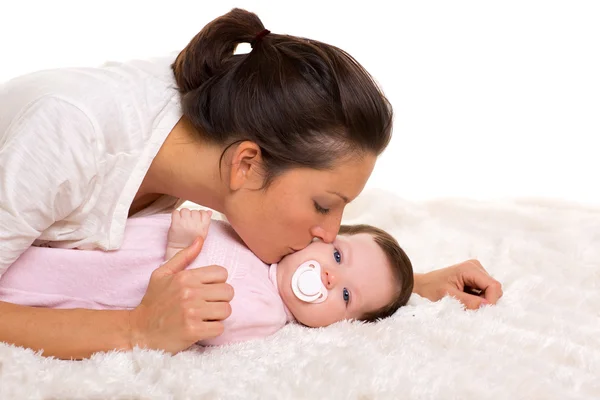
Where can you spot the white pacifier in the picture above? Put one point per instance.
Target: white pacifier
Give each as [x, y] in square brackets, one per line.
[307, 284]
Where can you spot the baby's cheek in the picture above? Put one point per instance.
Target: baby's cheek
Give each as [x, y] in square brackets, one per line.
[304, 313]
[321, 315]
[331, 312]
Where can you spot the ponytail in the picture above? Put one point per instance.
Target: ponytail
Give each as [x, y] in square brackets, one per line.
[206, 53]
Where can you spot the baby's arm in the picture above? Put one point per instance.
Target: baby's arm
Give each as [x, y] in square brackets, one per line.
[186, 226]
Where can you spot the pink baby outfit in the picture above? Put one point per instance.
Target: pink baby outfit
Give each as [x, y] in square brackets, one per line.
[94, 279]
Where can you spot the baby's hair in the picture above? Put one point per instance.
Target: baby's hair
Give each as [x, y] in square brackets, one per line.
[401, 266]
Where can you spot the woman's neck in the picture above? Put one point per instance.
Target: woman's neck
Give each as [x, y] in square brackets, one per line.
[185, 167]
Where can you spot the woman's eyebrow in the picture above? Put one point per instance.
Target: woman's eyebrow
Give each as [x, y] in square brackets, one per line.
[340, 195]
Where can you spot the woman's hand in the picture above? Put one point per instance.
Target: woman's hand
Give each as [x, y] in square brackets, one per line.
[181, 306]
[468, 282]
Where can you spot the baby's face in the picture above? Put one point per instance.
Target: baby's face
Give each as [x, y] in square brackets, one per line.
[355, 271]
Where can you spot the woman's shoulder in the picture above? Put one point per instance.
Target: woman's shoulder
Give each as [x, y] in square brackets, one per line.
[70, 85]
[103, 93]
[107, 76]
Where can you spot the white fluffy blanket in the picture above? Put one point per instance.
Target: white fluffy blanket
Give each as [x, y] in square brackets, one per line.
[542, 340]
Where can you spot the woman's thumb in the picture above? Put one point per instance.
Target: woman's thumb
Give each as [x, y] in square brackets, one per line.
[182, 259]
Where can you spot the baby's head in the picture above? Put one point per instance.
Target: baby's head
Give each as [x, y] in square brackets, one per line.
[366, 274]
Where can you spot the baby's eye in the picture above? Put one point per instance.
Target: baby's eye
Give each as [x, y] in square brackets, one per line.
[337, 256]
[346, 295]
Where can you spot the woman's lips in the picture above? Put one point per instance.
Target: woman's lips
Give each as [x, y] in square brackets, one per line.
[292, 250]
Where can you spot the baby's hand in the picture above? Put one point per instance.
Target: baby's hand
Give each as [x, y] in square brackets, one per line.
[186, 226]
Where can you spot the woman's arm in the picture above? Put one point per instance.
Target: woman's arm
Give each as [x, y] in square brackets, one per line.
[179, 308]
[457, 281]
[49, 162]
[65, 334]
[49, 165]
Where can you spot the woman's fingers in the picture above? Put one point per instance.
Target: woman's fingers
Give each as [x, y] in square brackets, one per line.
[204, 275]
[181, 260]
[478, 278]
[470, 301]
[211, 311]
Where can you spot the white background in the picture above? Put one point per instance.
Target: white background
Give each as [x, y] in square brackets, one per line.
[492, 99]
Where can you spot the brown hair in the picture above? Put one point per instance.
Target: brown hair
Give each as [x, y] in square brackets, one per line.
[303, 102]
[400, 264]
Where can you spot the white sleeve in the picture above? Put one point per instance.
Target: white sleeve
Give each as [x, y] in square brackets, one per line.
[48, 161]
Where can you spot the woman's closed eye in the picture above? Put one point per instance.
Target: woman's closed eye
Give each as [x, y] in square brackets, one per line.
[321, 210]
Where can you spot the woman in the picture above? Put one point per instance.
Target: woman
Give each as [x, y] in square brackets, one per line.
[279, 140]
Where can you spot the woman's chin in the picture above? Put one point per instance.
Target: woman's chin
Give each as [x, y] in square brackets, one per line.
[269, 258]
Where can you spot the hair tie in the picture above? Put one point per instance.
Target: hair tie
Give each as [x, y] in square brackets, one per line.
[259, 37]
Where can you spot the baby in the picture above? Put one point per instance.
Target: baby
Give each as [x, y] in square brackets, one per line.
[363, 275]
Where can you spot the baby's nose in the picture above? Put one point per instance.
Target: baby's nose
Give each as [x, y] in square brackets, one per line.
[328, 278]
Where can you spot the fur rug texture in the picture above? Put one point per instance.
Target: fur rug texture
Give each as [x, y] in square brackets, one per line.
[541, 341]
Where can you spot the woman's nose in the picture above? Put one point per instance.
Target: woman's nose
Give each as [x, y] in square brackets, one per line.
[327, 234]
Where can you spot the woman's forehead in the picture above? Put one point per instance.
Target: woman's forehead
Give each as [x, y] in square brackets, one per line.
[346, 180]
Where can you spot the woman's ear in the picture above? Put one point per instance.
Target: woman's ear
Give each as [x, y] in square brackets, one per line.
[246, 166]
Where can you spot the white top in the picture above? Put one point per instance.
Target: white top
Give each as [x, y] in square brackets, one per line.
[75, 145]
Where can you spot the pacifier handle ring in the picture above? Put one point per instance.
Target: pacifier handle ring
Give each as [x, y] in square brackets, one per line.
[312, 267]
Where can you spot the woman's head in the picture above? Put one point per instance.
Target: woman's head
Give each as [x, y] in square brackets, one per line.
[290, 110]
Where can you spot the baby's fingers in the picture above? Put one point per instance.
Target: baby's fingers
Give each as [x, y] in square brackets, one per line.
[185, 213]
[205, 215]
